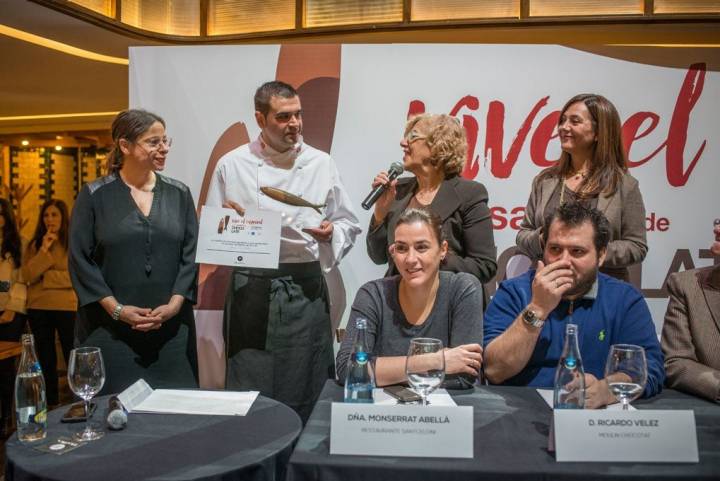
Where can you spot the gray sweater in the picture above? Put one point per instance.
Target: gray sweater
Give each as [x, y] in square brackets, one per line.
[455, 319]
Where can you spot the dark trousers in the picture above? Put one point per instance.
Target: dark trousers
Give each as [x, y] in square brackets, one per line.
[9, 332]
[277, 334]
[43, 324]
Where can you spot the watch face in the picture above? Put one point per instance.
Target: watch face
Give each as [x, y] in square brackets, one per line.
[532, 319]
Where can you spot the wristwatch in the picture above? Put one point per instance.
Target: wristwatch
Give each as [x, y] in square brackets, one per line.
[532, 319]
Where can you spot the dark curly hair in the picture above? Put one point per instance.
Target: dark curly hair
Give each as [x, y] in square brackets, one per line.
[10, 235]
[575, 214]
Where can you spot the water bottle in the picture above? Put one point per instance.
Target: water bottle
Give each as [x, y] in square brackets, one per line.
[360, 379]
[570, 376]
[30, 401]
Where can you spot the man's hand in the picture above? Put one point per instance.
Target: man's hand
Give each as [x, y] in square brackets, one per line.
[597, 393]
[230, 204]
[323, 233]
[549, 285]
[463, 359]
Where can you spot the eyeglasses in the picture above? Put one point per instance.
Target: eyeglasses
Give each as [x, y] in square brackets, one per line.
[413, 135]
[154, 144]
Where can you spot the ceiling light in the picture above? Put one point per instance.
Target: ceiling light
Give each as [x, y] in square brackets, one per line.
[58, 147]
[59, 46]
[25, 143]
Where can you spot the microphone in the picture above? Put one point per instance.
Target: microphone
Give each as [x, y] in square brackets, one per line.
[117, 417]
[393, 173]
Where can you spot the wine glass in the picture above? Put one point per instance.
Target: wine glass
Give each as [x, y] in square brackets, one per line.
[425, 365]
[626, 372]
[86, 376]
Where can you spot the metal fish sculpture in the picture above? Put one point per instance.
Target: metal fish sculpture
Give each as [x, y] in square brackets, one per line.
[290, 199]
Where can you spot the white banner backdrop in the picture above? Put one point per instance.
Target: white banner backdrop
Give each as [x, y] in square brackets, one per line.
[671, 113]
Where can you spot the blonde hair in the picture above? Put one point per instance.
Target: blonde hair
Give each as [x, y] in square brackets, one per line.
[446, 141]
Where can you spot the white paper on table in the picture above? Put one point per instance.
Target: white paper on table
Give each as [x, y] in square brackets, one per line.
[547, 395]
[439, 397]
[178, 401]
[140, 398]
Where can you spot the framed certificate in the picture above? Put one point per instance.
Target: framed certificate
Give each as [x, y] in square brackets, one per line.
[229, 239]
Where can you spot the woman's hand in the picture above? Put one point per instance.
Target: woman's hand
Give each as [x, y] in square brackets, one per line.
[169, 310]
[47, 241]
[140, 318]
[463, 359]
[7, 316]
[382, 206]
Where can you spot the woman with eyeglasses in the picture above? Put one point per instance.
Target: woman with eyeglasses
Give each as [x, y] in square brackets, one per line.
[13, 294]
[51, 301]
[420, 301]
[434, 148]
[133, 235]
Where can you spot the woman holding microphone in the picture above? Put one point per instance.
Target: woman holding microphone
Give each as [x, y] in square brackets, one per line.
[434, 148]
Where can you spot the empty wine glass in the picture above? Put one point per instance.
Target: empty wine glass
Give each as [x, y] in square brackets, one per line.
[626, 372]
[425, 365]
[86, 376]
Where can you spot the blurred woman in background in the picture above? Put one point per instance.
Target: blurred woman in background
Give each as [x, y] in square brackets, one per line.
[13, 295]
[51, 301]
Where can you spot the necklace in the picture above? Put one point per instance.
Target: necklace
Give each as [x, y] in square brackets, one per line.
[580, 174]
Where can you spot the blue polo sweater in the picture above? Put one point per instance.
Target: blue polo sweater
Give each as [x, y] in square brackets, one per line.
[614, 312]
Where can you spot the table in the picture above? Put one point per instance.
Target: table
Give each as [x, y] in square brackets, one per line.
[168, 447]
[510, 443]
[10, 349]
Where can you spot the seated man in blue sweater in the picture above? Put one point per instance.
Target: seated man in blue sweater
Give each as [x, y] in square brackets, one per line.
[525, 322]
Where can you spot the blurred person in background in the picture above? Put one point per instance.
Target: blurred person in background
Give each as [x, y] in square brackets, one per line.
[51, 301]
[13, 294]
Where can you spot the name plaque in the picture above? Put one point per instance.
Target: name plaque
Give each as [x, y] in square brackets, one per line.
[408, 431]
[666, 436]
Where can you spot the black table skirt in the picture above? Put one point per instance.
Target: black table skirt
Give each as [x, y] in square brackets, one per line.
[168, 447]
[510, 443]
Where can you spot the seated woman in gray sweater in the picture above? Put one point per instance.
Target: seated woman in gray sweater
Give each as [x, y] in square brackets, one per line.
[420, 302]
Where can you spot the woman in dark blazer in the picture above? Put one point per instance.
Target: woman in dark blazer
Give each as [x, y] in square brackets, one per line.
[593, 170]
[434, 149]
